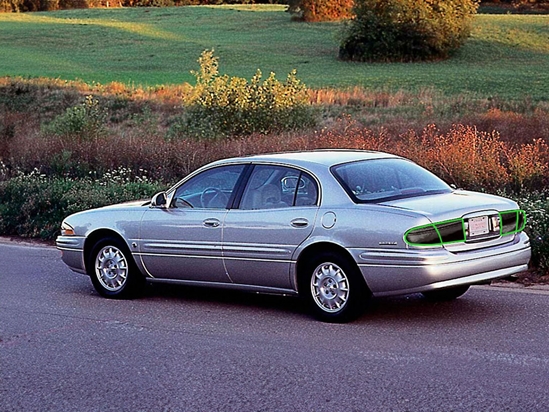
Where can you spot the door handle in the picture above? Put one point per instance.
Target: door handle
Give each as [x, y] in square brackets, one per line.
[212, 222]
[300, 222]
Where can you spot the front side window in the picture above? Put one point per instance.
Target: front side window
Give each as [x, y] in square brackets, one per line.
[274, 187]
[387, 179]
[211, 189]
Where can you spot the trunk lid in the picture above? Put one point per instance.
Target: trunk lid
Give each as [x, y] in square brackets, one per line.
[472, 207]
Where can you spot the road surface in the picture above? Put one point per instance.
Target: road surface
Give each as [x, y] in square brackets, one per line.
[62, 347]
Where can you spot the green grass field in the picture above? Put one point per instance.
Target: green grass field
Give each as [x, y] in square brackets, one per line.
[507, 56]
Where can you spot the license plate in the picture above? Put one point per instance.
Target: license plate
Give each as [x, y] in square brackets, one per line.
[478, 226]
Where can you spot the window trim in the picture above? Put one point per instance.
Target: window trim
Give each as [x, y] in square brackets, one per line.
[247, 173]
[243, 175]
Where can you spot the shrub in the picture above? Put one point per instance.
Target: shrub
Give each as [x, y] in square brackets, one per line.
[325, 10]
[536, 206]
[34, 206]
[232, 106]
[406, 30]
[83, 122]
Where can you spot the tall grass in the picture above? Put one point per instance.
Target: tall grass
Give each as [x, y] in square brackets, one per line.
[138, 136]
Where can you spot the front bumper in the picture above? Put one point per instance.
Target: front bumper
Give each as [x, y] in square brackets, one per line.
[389, 272]
[72, 250]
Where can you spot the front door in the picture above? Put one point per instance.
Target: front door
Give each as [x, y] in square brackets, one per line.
[183, 241]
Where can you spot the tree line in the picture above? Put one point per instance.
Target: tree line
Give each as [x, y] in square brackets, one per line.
[309, 10]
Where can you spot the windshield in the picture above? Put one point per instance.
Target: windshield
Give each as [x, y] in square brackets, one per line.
[379, 180]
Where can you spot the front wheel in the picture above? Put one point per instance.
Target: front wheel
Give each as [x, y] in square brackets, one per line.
[333, 288]
[112, 270]
[443, 295]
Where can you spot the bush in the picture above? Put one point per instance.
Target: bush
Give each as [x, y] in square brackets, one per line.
[83, 122]
[232, 106]
[406, 30]
[323, 10]
[536, 206]
[34, 206]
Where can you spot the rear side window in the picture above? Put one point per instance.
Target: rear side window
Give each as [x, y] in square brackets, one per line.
[275, 187]
[379, 180]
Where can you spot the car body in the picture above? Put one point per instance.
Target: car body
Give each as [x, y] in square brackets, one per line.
[334, 226]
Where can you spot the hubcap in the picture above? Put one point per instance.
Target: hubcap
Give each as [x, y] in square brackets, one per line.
[330, 287]
[111, 268]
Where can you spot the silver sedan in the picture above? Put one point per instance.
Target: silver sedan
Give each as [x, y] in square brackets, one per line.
[335, 227]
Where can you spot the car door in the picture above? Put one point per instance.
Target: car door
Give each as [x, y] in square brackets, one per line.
[183, 241]
[275, 215]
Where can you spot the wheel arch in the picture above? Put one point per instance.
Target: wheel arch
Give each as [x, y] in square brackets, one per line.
[323, 247]
[96, 236]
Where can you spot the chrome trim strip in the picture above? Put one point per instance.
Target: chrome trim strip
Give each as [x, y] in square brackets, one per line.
[214, 257]
[70, 249]
[260, 259]
[182, 246]
[176, 256]
[410, 256]
[65, 240]
[277, 249]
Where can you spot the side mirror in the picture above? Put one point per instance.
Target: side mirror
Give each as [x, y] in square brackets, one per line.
[159, 200]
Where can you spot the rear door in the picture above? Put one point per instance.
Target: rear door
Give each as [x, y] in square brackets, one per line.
[275, 215]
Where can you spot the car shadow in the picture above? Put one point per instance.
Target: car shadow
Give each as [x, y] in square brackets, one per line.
[467, 309]
[409, 308]
[228, 297]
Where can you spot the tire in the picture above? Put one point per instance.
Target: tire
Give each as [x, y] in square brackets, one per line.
[444, 295]
[112, 270]
[333, 288]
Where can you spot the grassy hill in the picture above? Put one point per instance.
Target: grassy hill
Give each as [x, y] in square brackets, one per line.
[507, 56]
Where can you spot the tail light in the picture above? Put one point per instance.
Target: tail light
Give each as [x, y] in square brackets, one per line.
[465, 230]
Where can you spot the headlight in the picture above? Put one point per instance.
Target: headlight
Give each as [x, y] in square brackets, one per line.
[66, 229]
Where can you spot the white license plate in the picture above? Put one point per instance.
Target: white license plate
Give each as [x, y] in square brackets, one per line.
[478, 226]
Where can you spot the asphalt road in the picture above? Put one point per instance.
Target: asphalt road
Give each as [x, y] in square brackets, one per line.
[62, 347]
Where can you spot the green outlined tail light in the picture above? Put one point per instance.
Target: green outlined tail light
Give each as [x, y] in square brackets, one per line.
[422, 236]
[451, 231]
[459, 230]
[436, 234]
[512, 221]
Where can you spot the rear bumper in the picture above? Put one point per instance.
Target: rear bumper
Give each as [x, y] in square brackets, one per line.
[409, 271]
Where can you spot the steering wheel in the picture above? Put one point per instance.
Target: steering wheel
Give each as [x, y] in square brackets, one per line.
[216, 194]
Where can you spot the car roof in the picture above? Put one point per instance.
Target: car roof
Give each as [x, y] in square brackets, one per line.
[326, 158]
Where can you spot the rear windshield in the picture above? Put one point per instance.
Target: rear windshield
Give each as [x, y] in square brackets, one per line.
[379, 180]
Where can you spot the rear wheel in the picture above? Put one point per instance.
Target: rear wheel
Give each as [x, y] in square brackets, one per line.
[333, 288]
[112, 270]
[443, 295]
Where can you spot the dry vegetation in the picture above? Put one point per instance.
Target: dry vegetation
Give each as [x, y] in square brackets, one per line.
[506, 143]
